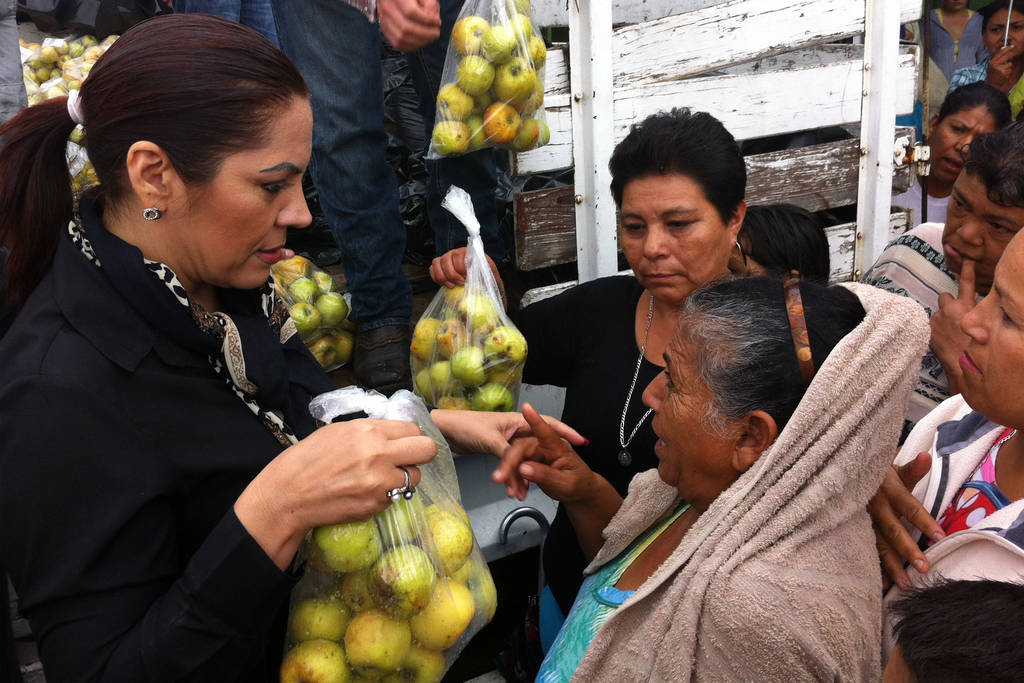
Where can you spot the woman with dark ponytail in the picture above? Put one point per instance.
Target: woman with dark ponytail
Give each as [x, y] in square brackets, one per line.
[158, 463]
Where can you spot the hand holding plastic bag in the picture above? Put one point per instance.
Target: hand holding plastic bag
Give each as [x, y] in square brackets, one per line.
[465, 352]
[400, 594]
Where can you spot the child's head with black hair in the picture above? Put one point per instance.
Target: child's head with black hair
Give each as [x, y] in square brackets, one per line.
[959, 631]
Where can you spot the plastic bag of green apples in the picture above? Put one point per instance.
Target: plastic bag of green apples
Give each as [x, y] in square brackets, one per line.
[399, 596]
[465, 353]
[319, 311]
[58, 65]
[492, 92]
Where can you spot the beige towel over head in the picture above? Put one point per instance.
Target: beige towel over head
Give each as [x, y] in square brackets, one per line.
[779, 579]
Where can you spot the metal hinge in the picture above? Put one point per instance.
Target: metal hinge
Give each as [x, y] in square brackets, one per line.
[920, 154]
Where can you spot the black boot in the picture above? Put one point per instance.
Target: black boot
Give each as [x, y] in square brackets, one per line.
[382, 359]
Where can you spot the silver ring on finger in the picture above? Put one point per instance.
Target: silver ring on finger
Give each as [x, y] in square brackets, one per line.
[406, 490]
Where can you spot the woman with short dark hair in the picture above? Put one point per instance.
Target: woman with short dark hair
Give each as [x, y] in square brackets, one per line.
[678, 179]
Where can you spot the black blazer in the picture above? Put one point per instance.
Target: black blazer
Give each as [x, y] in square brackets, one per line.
[121, 455]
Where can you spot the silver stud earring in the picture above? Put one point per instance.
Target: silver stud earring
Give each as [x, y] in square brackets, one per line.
[152, 213]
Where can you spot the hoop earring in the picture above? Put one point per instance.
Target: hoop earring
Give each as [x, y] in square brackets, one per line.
[152, 213]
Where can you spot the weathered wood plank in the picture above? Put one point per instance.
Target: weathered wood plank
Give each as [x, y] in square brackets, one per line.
[816, 177]
[750, 105]
[556, 13]
[840, 242]
[692, 43]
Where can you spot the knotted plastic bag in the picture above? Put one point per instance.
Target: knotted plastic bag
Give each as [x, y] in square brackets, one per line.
[492, 92]
[465, 352]
[396, 597]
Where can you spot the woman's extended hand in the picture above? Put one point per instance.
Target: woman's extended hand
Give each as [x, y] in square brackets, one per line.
[449, 270]
[948, 341]
[339, 473]
[892, 503]
[547, 459]
[472, 431]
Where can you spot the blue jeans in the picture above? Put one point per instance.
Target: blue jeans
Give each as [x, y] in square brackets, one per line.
[12, 85]
[473, 172]
[255, 14]
[338, 53]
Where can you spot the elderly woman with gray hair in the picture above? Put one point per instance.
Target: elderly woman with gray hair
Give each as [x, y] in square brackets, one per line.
[776, 418]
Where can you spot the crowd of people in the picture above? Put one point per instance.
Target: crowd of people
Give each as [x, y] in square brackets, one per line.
[728, 463]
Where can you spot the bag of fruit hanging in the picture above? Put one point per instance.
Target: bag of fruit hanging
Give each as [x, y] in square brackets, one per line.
[319, 311]
[492, 92]
[465, 352]
[396, 597]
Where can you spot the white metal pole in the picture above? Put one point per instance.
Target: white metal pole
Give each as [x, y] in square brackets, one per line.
[878, 123]
[590, 83]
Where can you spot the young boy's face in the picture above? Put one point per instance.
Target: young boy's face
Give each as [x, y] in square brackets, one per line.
[897, 671]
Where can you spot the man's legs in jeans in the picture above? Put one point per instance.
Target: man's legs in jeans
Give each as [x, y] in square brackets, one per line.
[12, 86]
[255, 14]
[474, 172]
[338, 53]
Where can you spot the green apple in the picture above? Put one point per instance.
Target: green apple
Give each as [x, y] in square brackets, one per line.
[520, 6]
[477, 577]
[505, 343]
[545, 134]
[318, 618]
[498, 44]
[453, 103]
[442, 381]
[348, 547]
[424, 387]
[451, 336]
[324, 281]
[375, 643]
[474, 75]
[445, 617]
[303, 289]
[522, 27]
[400, 522]
[55, 91]
[453, 538]
[49, 54]
[89, 40]
[538, 51]
[333, 309]
[493, 397]
[355, 591]
[468, 33]
[450, 138]
[315, 661]
[477, 139]
[453, 403]
[402, 580]
[480, 104]
[468, 366]
[306, 317]
[515, 81]
[424, 337]
[453, 295]
[479, 312]
[323, 350]
[344, 343]
[422, 665]
[75, 50]
[529, 134]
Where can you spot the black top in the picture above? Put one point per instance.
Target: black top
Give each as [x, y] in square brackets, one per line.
[118, 529]
[584, 340]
